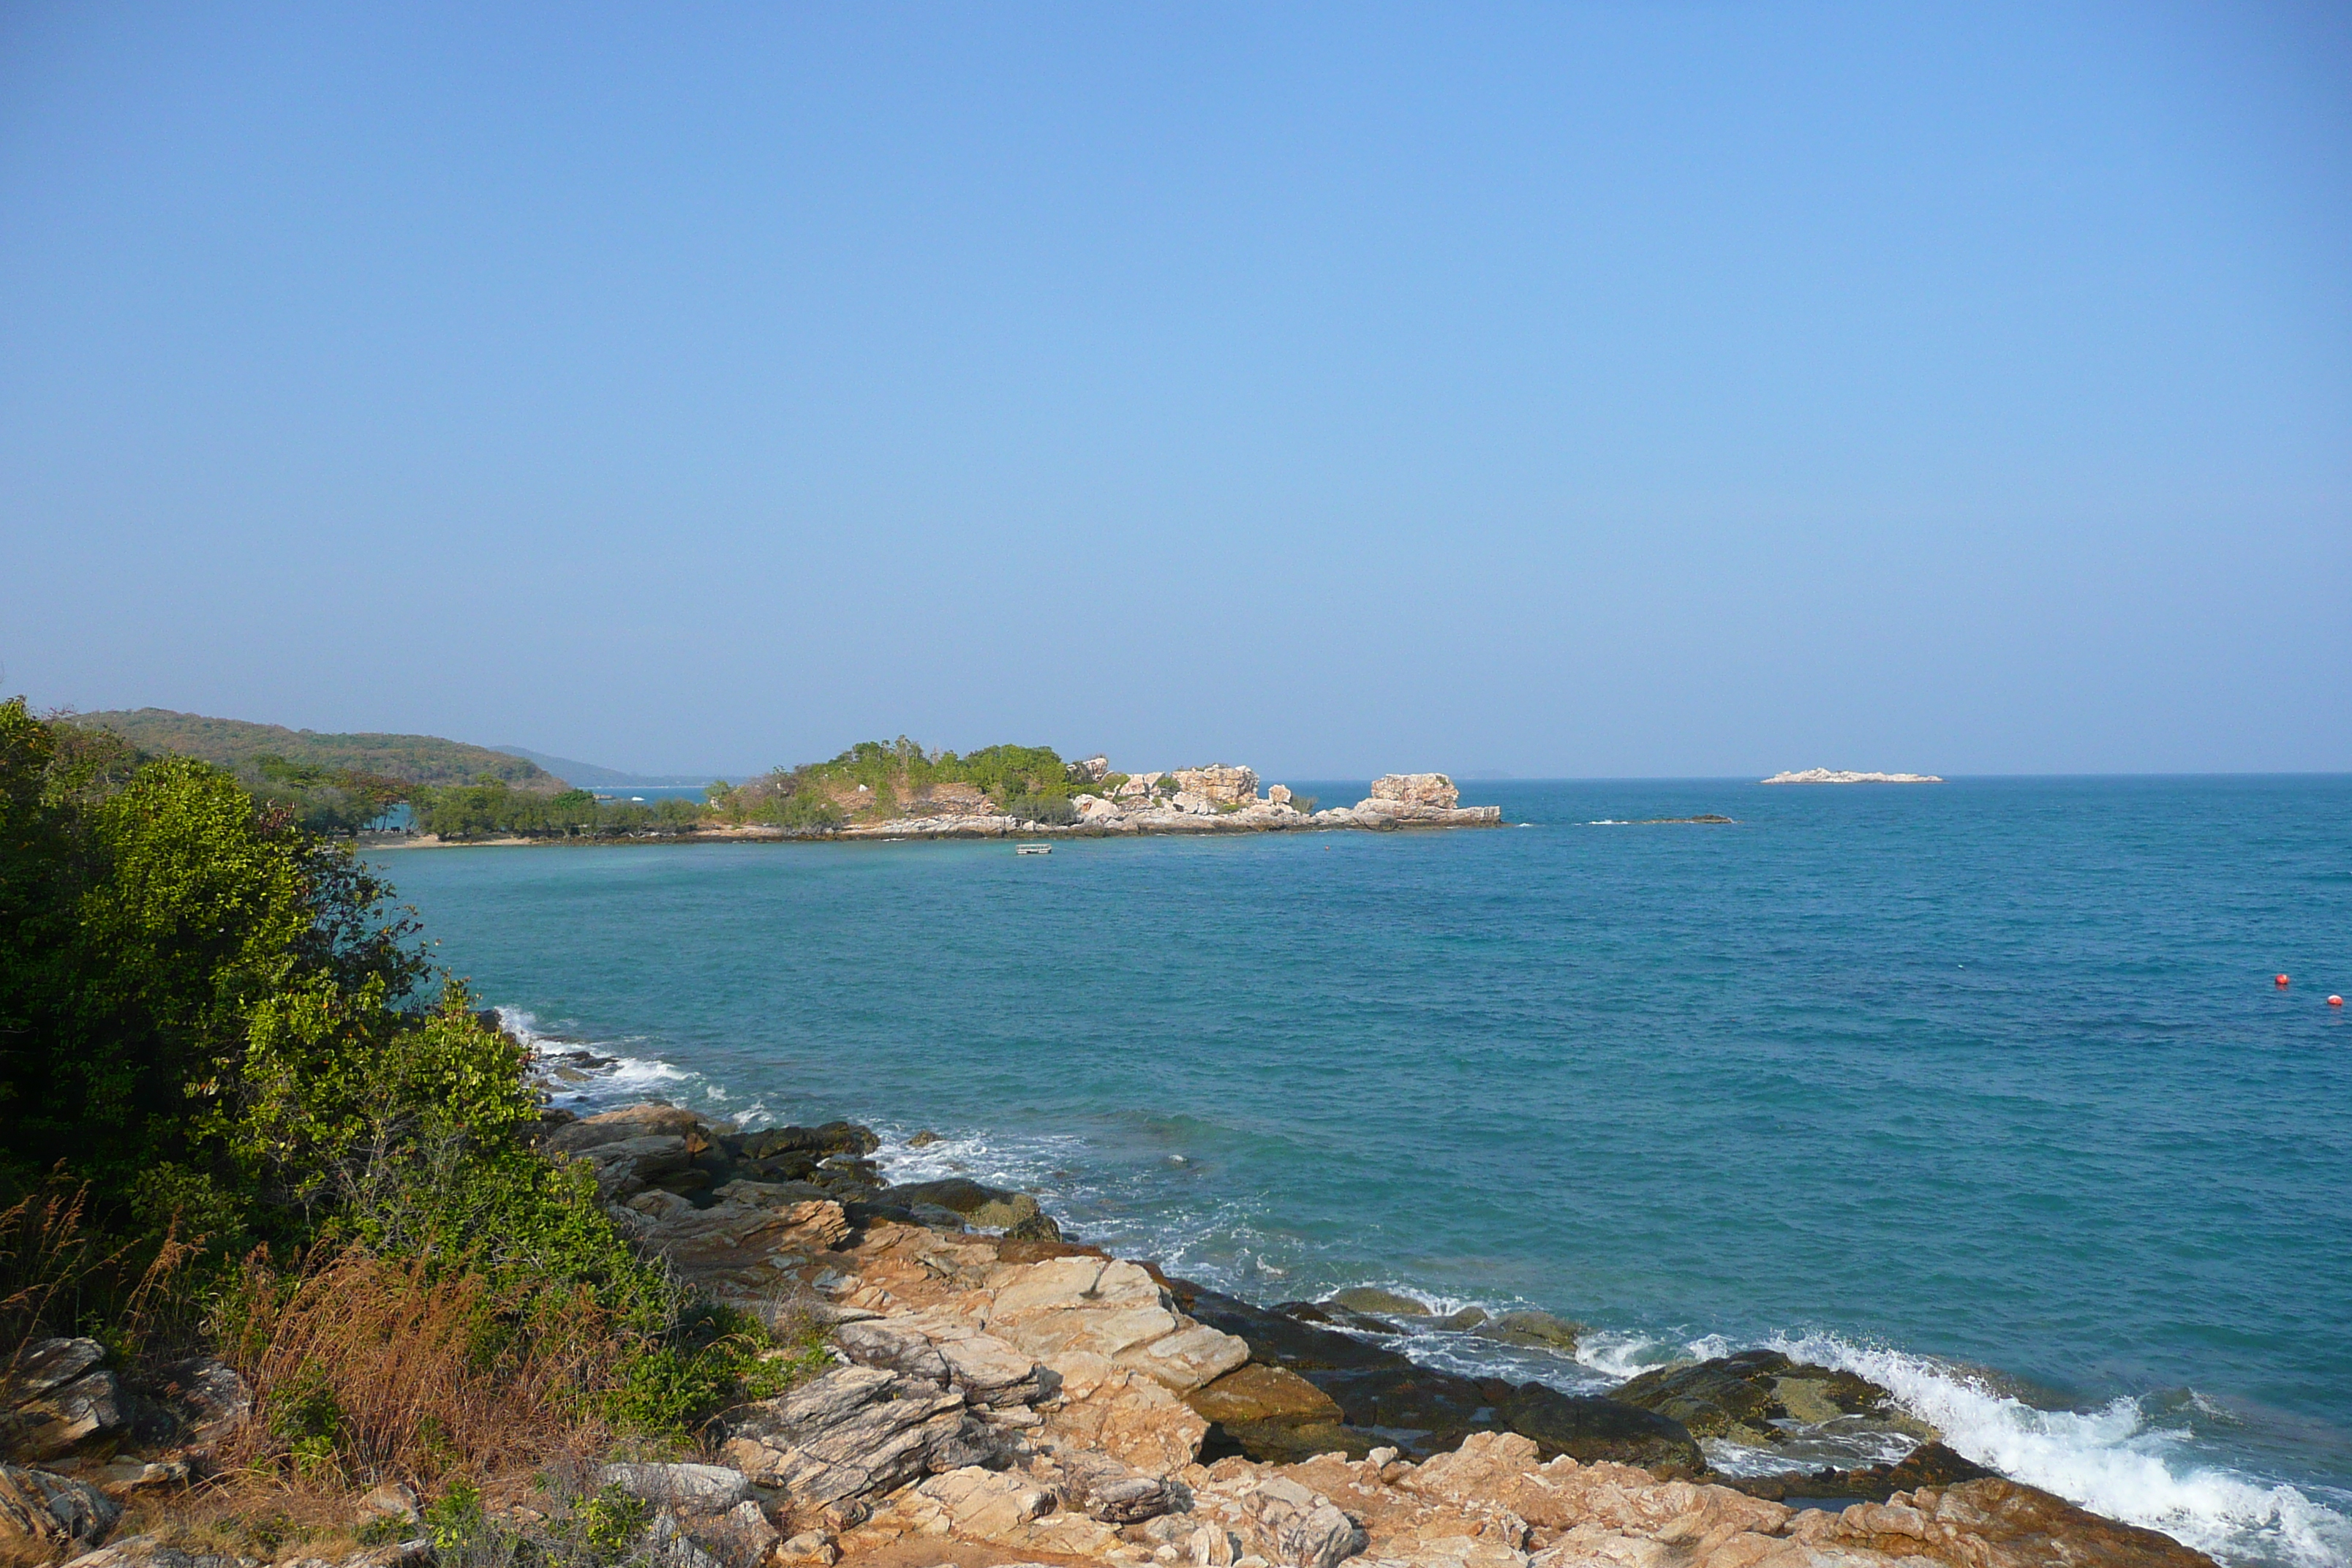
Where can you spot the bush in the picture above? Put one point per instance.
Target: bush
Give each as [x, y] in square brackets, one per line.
[1052, 810]
[368, 1369]
[722, 1357]
[215, 1032]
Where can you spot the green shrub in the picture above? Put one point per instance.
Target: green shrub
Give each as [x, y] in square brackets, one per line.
[455, 1520]
[720, 1357]
[1053, 810]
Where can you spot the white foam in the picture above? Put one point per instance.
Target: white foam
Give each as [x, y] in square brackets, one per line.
[1619, 1356]
[1005, 1165]
[623, 1077]
[2112, 1460]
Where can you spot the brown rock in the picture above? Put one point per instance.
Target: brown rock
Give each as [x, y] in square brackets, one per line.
[1998, 1523]
[650, 1119]
[1417, 789]
[1110, 1309]
[1255, 1393]
[1122, 1412]
[1217, 783]
[982, 1506]
[1586, 1428]
[47, 1510]
[854, 1433]
[1298, 1528]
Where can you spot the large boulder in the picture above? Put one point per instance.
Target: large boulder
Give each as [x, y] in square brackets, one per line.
[1378, 1303]
[1990, 1523]
[1218, 784]
[1748, 1397]
[194, 1403]
[742, 1254]
[738, 1537]
[626, 1166]
[43, 1512]
[1587, 1428]
[1112, 1309]
[152, 1551]
[650, 1119]
[1423, 799]
[1296, 1528]
[688, 1488]
[57, 1395]
[854, 1433]
[984, 1505]
[944, 1350]
[1102, 1488]
[1424, 790]
[1540, 1330]
[1930, 1464]
[829, 1138]
[990, 1208]
[1122, 1412]
[1272, 1414]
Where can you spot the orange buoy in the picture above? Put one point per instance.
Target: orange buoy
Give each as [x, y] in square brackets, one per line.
[2282, 980]
[2335, 1001]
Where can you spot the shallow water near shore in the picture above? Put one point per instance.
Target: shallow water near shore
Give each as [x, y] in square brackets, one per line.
[1982, 1089]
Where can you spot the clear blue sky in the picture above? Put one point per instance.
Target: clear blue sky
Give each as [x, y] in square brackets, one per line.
[1564, 389]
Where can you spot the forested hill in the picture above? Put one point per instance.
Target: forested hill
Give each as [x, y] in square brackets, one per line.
[233, 743]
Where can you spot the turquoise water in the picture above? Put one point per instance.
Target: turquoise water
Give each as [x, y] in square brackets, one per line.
[1982, 1088]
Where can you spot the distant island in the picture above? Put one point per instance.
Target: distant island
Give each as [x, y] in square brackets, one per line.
[898, 789]
[1824, 775]
[233, 744]
[336, 783]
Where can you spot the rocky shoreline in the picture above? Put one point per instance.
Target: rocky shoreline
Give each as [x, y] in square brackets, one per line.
[1004, 1394]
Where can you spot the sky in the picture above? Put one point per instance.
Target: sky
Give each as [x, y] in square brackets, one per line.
[1560, 390]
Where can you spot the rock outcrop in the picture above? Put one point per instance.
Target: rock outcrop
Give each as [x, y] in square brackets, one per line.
[1218, 784]
[1421, 800]
[59, 1394]
[854, 1433]
[42, 1509]
[1217, 798]
[1752, 1397]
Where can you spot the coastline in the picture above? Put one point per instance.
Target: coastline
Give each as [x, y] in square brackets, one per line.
[1213, 800]
[1187, 1395]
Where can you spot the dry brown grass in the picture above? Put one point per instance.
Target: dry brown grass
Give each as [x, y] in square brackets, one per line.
[249, 1515]
[367, 1369]
[54, 1267]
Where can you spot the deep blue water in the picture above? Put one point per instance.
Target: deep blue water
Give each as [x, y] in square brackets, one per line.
[1989, 1074]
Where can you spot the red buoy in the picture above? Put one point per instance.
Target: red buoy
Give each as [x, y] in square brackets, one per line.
[2335, 1001]
[2281, 979]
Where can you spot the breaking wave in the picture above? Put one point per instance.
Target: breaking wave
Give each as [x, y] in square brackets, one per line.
[2118, 1460]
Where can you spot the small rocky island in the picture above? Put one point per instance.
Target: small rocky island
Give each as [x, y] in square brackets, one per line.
[1213, 799]
[1827, 776]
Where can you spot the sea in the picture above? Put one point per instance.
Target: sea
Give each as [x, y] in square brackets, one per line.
[1986, 1089]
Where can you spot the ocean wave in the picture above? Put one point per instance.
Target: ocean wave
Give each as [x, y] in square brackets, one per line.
[2114, 1460]
[617, 1076]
